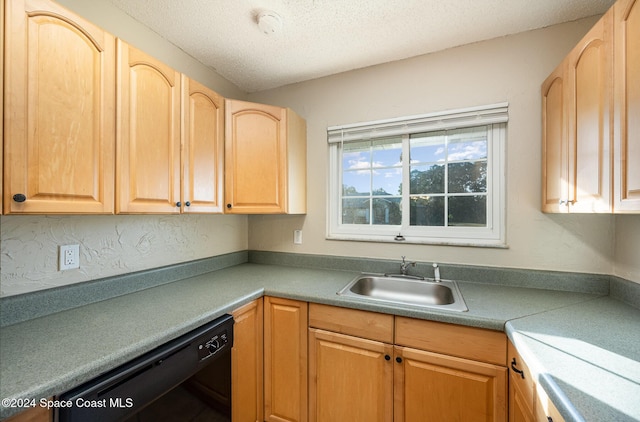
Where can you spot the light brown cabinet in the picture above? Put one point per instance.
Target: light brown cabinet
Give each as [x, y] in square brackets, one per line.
[169, 139]
[148, 134]
[590, 140]
[626, 21]
[285, 360]
[246, 363]
[528, 402]
[351, 378]
[59, 125]
[449, 372]
[202, 149]
[438, 371]
[577, 126]
[265, 159]
[521, 388]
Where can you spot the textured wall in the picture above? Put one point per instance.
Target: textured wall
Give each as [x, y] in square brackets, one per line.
[109, 245]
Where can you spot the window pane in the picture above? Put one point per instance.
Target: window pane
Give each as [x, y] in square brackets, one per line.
[387, 182]
[387, 152]
[428, 147]
[467, 144]
[355, 211]
[427, 211]
[427, 179]
[468, 211]
[387, 211]
[467, 177]
[356, 155]
[356, 183]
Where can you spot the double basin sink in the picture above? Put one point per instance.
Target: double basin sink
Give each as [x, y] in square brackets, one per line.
[406, 290]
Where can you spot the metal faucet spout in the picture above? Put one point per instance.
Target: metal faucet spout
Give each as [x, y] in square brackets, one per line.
[404, 266]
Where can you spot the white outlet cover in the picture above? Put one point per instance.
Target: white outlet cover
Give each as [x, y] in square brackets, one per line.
[297, 237]
[69, 257]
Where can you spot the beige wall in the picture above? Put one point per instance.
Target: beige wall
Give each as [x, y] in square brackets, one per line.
[111, 245]
[505, 69]
[627, 248]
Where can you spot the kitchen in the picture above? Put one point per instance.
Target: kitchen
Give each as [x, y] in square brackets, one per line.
[509, 69]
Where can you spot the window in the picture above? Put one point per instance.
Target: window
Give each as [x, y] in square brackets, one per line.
[436, 178]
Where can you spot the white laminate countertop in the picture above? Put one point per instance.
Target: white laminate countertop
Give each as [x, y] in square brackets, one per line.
[585, 348]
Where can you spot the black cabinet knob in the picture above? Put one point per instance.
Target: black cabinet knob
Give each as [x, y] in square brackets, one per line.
[178, 204]
[229, 206]
[387, 357]
[18, 197]
[399, 359]
[188, 204]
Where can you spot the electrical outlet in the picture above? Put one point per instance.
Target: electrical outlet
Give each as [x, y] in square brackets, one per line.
[69, 257]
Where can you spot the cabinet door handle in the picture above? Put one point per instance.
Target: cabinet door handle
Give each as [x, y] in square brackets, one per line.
[387, 357]
[515, 369]
[187, 204]
[399, 359]
[18, 197]
[178, 204]
[229, 206]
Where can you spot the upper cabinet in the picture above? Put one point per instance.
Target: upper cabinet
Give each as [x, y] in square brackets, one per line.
[59, 127]
[591, 142]
[627, 106]
[576, 126]
[148, 134]
[169, 139]
[202, 148]
[265, 159]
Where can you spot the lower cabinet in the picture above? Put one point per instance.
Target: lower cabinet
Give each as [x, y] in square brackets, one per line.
[246, 363]
[434, 387]
[528, 402]
[285, 360]
[351, 378]
[357, 373]
[293, 361]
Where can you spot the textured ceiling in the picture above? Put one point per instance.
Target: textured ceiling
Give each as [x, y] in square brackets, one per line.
[324, 37]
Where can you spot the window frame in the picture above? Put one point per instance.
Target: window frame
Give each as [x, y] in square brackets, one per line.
[493, 116]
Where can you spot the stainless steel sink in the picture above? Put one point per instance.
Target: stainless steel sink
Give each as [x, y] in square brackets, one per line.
[443, 294]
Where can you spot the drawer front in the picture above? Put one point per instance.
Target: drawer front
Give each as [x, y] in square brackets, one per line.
[467, 342]
[364, 324]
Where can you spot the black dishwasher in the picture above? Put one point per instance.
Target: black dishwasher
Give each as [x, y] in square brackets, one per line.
[124, 391]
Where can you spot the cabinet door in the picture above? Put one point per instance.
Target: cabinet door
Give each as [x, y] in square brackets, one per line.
[435, 387]
[589, 79]
[521, 388]
[246, 363]
[627, 106]
[285, 360]
[350, 378]
[554, 143]
[203, 148]
[59, 120]
[148, 134]
[256, 156]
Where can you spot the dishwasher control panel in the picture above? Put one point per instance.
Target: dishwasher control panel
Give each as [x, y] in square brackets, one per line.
[213, 345]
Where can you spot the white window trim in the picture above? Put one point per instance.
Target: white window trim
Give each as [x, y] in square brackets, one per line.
[494, 235]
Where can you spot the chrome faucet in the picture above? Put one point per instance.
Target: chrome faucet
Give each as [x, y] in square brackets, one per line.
[404, 266]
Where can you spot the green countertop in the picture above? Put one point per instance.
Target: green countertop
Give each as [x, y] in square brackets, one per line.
[569, 338]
